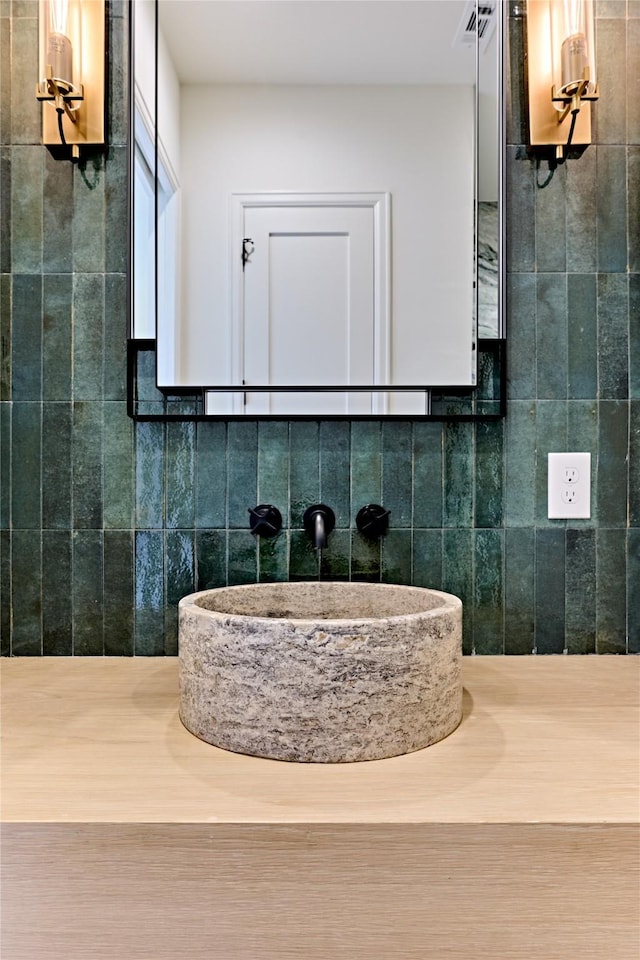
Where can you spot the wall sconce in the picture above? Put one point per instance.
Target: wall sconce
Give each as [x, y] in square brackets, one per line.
[561, 73]
[72, 73]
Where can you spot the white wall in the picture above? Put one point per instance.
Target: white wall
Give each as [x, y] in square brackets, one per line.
[415, 142]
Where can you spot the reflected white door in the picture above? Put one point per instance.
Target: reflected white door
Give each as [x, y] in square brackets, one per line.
[309, 303]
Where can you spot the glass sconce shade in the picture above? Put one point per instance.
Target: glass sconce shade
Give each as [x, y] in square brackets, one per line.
[61, 42]
[573, 48]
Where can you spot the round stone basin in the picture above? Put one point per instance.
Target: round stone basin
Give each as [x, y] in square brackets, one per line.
[321, 672]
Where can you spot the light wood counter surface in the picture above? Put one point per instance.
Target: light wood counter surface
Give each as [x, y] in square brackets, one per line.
[126, 838]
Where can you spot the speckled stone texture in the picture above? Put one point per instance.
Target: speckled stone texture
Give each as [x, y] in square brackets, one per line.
[321, 672]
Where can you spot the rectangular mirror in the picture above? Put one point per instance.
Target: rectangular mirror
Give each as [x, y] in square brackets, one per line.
[316, 216]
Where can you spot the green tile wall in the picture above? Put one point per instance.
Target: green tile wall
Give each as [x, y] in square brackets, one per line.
[105, 524]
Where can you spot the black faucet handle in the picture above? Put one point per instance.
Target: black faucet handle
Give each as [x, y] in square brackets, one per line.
[265, 520]
[373, 521]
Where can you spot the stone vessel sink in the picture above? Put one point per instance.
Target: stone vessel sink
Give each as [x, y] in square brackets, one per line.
[320, 672]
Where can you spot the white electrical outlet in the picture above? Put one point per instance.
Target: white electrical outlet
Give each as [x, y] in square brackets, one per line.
[569, 486]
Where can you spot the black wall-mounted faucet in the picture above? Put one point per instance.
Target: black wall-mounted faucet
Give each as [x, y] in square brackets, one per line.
[319, 520]
[373, 521]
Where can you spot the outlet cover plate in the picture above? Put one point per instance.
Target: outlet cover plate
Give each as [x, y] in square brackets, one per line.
[569, 486]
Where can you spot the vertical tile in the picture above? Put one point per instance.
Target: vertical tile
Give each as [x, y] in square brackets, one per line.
[26, 208]
[5, 76]
[149, 594]
[149, 447]
[427, 474]
[551, 437]
[211, 483]
[521, 336]
[87, 593]
[581, 591]
[273, 467]
[582, 185]
[396, 556]
[520, 466]
[26, 121]
[366, 463]
[427, 559]
[457, 577]
[118, 467]
[582, 435]
[57, 337]
[633, 72]
[6, 251]
[242, 564]
[489, 468]
[242, 479]
[634, 464]
[551, 337]
[6, 297]
[180, 475]
[550, 590]
[211, 559]
[273, 558]
[611, 209]
[180, 572]
[26, 340]
[26, 484]
[520, 213]
[634, 336]
[551, 228]
[116, 214]
[115, 335]
[117, 103]
[519, 591]
[397, 472]
[582, 336]
[633, 589]
[613, 336]
[335, 469]
[633, 201]
[88, 336]
[335, 560]
[56, 466]
[612, 478]
[304, 563]
[366, 558]
[86, 459]
[611, 590]
[611, 58]
[89, 216]
[304, 469]
[26, 576]
[118, 593]
[57, 215]
[458, 474]
[57, 613]
[488, 616]
[6, 598]
[6, 457]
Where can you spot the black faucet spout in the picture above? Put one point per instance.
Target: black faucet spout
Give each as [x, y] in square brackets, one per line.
[319, 520]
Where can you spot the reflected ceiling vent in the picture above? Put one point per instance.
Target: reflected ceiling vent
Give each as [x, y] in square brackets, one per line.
[479, 17]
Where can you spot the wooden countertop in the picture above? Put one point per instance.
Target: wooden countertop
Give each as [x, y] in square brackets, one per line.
[543, 739]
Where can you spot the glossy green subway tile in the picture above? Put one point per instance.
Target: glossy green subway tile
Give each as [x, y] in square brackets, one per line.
[519, 591]
[149, 447]
[488, 614]
[5, 337]
[26, 209]
[582, 336]
[273, 466]
[57, 214]
[580, 585]
[366, 558]
[427, 474]
[87, 593]
[6, 598]
[335, 560]
[211, 559]
[427, 559]
[57, 337]
[26, 112]
[304, 469]
[458, 474]
[366, 464]
[611, 591]
[520, 211]
[611, 209]
[57, 612]
[633, 199]
[612, 464]
[149, 594]
[180, 475]
[335, 468]
[26, 466]
[273, 558]
[634, 463]
[118, 467]
[87, 464]
[242, 479]
[551, 337]
[521, 339]
[89, 215]
[457, 577]
[489, 472]
[6, 253]
[26, 579]
[550, 590]
[551, 437]
[57, 423]
[118, 593]
[613, 336]
[26, 338]
[551, 226]
[88, 336]
[611, 58]
[634, 336]
[397, 471]
[397, 556]
[633, 588]
[303, 559]
[115, 334]
[211, 480]
[6, 456]
[242, 564]
[582, 182]
[180, 573]
[116, 229]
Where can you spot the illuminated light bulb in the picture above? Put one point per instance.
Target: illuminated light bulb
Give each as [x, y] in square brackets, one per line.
[59, 50]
